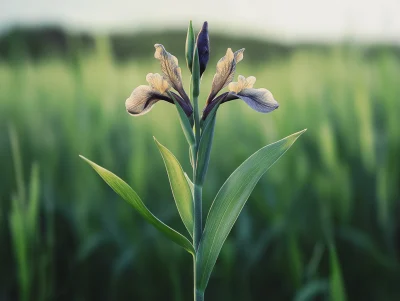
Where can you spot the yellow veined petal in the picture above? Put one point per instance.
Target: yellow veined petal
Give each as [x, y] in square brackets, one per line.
[169, 66]
[242, 83]
[234, 87]
[226, 67]
[250, 81]
[238, 55]
[157, 82]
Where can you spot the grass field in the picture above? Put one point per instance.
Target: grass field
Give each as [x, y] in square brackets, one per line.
[322, 224]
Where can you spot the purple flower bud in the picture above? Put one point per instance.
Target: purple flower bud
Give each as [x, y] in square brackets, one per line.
[203, 47]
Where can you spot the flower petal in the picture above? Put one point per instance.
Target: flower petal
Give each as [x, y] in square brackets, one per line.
[242, 83]
[260, 100]
[157, 82]
[170, 69]
[238, 55]
[226, 67]
[142, 100]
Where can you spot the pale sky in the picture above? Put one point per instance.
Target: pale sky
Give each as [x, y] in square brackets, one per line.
[287, 20]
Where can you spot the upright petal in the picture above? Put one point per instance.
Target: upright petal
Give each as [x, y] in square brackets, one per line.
[142, 100]
[226, 67]
[242, 83]
[203, 46]
[157, 82]
[238, 55]
[170, 69]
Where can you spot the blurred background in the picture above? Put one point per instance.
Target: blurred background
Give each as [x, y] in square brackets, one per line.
[322, 224]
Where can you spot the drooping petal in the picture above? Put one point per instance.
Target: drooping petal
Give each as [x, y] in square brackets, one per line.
[171, 70]
[260, 100]
[226, 67]
[203, 46]
[143, 99]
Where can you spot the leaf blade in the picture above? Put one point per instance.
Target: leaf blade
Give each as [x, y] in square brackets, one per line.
[204, 151]
[130, 196]
[229, 202]
[179, 185]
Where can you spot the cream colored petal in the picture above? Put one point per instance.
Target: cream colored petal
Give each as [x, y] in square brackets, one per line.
[235, 87]
[142, 100]
[250, 81]
[239, 55]
[226, 67]
[169, 67]
[157, 82]
[242, 83]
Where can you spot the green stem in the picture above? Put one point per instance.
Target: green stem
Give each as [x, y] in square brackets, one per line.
[196, 119]
[198, 226]
[199, 296]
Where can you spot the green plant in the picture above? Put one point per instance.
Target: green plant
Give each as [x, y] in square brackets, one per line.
[33, 250]
[206, 242]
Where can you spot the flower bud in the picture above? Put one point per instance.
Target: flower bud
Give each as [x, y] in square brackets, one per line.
[203, 46]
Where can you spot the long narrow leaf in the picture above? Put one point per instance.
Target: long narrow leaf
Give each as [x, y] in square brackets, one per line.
[186, 124]
[229, 203]
[180, 187]
[203, 154]
[130, 196]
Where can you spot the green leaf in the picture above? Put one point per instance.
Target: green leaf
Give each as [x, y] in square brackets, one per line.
[229, 203]
[186, 124]
[337, 290]
[204, 150]
[180, 187]
[190, 183]
[130, 196]
[190, 43]
[195, 88]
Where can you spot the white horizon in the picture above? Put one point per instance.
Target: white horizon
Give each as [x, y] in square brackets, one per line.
[282, 20]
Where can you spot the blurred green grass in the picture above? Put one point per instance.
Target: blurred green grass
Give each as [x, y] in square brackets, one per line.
[321, 225]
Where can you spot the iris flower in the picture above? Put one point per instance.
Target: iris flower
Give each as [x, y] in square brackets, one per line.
[260, 100]
[160, 87]
[143, 98]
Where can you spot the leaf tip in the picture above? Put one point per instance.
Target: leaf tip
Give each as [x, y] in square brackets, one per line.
[156, 141]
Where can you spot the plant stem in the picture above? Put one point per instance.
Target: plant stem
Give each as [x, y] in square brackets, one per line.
[197, 194]
[198, 226]
[196, 119]
[199, 296]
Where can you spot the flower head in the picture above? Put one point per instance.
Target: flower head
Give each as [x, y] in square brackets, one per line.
[144, 97]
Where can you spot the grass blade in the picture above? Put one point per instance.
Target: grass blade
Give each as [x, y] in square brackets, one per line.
[337, 290]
